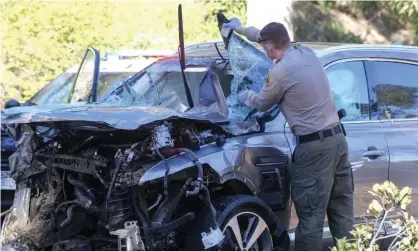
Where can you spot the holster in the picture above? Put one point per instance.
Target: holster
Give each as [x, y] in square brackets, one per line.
[341, 114]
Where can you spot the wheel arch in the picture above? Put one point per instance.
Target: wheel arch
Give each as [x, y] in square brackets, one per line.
[277, 228]
[235, 186]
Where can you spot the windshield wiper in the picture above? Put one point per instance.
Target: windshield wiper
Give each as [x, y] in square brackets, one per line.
[182, 58]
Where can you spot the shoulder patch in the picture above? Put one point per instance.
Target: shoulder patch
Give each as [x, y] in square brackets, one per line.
[268, 79]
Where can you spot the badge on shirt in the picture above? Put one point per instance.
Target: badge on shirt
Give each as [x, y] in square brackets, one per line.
[268, 79]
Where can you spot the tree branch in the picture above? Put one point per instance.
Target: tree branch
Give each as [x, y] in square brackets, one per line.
[398, 235]
[380, 227]
[392, 235]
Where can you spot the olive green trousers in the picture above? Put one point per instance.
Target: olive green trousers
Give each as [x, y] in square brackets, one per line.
[322, 184]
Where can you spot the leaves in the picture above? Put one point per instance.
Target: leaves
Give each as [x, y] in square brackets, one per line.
[41, 39]
[375, 208]
[344, 245]
[408, 9]
[391, 196]
[365, 236]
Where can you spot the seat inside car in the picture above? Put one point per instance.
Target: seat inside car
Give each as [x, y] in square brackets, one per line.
[225, 80]
[210, 92]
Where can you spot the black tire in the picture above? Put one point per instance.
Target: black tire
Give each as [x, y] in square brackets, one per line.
[227, 208]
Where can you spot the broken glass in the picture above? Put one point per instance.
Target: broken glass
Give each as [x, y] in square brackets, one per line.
[250, 67]
[161, 84]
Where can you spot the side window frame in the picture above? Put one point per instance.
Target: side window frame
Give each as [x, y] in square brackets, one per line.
[373, 95]
[367, 87]
[362, 60]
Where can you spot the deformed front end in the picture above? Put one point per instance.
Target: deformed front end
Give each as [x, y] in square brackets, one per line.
[95, 188]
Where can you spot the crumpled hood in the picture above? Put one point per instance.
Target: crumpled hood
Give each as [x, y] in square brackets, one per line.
[114, 116]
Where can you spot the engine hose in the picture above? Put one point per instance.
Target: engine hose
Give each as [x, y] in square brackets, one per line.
[70, 216]
[167, 171]
[195, 160]
[78, 183]
[84, 201]
[115, 175]
[198, 183]
[197, 187]
[209, 204]
[159, 198]
[65, 203]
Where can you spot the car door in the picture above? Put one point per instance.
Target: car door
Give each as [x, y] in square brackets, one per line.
[394, 89]
[368, 151]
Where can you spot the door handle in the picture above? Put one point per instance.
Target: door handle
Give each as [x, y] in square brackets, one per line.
[373, 154]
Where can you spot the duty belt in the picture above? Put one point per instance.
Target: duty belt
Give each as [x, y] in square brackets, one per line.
[319, 135]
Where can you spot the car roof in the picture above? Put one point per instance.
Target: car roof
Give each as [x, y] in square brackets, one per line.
[369, 51]
[209, 49]
[327, 52]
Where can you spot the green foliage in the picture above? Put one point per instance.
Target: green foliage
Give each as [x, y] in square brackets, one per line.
[396, 95]
[40, 39]
[386, 16]
[327, 5]
[313, 24]
[407, 12]
[389, 199]
[405, 9]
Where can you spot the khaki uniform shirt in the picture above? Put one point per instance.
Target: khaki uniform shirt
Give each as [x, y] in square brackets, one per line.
[298, 83]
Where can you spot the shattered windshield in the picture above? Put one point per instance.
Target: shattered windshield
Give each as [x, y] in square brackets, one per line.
[250, 67]
[108, 80]
[161, 84]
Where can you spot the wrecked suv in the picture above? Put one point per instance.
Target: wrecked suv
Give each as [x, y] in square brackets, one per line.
[168, 161]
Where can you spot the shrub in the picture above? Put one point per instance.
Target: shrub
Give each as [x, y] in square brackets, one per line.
[389, 199]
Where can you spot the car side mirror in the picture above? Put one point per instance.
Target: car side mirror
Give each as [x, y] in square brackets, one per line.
[11, 103]
[84, 87]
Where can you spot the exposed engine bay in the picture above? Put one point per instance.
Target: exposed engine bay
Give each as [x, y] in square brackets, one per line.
[80, 187]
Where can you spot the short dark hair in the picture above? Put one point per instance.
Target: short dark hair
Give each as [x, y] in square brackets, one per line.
[277, 33]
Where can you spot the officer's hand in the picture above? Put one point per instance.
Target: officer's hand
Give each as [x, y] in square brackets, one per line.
[243, 97]
[232, 24]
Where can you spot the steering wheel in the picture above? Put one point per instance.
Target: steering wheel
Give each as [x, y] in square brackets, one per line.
[250, 114]
[271, 114]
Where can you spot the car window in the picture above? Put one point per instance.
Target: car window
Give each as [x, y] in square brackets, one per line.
[161, 84]
[56, 92]
[167, 88]
[395, 88]
[108, 81]
[349, 89]
[60, 95]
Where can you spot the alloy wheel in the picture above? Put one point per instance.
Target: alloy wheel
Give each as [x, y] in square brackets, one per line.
[247, 231]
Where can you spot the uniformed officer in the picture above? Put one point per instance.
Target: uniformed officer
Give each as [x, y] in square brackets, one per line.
[321, 176]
